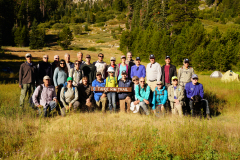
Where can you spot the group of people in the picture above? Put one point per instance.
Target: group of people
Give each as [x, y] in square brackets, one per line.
[164, 90]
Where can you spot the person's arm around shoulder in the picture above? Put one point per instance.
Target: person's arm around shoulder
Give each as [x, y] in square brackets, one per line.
[62, 97]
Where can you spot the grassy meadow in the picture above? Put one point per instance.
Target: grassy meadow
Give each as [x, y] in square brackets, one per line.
[122, 136]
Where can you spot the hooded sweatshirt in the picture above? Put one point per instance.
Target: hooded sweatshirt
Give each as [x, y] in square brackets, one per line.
[159, 97]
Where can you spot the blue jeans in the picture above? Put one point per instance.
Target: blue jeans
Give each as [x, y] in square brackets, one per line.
[112, 100]
[50, 107]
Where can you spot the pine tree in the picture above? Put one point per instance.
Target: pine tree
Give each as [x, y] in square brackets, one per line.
[65, 38]
[21, 36]
[37, 37]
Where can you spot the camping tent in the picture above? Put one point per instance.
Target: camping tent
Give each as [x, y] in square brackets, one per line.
[230, 76]
[216, 74]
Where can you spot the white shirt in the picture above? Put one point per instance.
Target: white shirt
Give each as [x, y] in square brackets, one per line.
[154, 71]
[101, 67]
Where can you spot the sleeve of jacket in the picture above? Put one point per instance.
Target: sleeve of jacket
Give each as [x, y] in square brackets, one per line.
[179, 74]
[130, 94]
[131, 72]
[138, 94]
[55, 76]
[170, 94]
[187, 91]
[201, 91]
[144, 72]
[20, 74]
[147, 93]
[181, 97]
[159, 75]
[62, 98]
[154, 101]
[165, 97]
[35, 96]
[75, 96]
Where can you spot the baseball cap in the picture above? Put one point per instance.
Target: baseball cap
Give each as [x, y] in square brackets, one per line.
[123, 56]
[112, 59]
[138, 58]
[28, 54]
[98, 73]
[124, 72]
[46, 77]
[174, 77]
[151, 56]
[194, 76]
[186, 60]
[88, 56]
[167, 57]
[69, 79]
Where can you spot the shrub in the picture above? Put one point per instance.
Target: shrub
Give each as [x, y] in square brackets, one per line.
[92, 49]
[77, 30]
[101, 24]
[65, 38]
[237, 20]
[100, 41]
[101, 18]
[86, 28]
[121, 16]
[65, 19]
[44, 25]
[111, 16]
[58, 26]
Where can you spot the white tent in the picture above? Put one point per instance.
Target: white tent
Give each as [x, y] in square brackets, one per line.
[216, 74]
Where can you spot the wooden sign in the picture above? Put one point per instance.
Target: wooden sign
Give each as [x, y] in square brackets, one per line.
[112, 89]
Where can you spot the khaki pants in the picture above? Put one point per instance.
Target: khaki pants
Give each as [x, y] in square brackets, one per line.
[152, 85]
[122, 105]
[26, 89]
[177, 109]
[104, 103]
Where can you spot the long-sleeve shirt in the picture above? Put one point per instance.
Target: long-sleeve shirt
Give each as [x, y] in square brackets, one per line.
[142, 94]
[154, 72]
[44, 69]
[193, 90]
[47, 95]
[70, 65]
[76, 75]
[101, 67]
[89, 71]
[159, 97]
[27, 73]
[59, 77]
[70, 95]
[139, 71]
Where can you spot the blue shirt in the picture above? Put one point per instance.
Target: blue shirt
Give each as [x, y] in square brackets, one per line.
[138, 71]
[121, 68]
[160, 98]
[193, 90]
[96, 83]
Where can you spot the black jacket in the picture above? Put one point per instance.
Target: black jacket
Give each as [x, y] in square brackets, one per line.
[44, 69]
[172, 72]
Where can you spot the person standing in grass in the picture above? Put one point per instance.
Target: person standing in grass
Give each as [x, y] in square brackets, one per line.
[135, 103]
[100, 97]
[85, 95]
[124, 97]
[130, 62]
[122, 67]
[111, 81]
[44, 68]
[76, 74]
[100, 65]
[112, 64]
[176, 97]
[59, 78]
[27, 78]
[69, 64]
[89, 69]
[138, 69]
[142, 93]
[44, 97]
[185, 73]
[69, 97]
[159, 97]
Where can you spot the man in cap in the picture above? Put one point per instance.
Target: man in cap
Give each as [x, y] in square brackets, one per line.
[44, 68]
[27, 78]
[100, 97]
[100, 65]
[176, 97]
[185, 73]
[113, 64]
[68, 62]
[195, 89]
[124, 97]
[130, 62]
[168, 71]
[89, 69]
[80, 57]
[44, 97]
[138, 69]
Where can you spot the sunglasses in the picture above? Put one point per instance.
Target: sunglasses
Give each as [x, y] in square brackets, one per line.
[195, 79]
[112, 60]
[175, 80]
[69, 81]
[110, 72]
[142, 81]
[159, 84]
[45, 57]
[100, 56]
[62, 63]
[56, 58]
[28, 57]
[76, 63]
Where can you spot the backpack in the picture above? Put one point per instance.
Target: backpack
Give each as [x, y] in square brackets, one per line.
[65, 88]
[38, 98]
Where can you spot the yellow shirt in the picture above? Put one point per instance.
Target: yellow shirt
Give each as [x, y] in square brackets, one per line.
[111, 82]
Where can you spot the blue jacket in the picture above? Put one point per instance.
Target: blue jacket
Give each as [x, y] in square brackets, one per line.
[140, 72]
[142, 94]
[193, 90]
[127, 83]
[96, 83]
[160, 98]
[59, 77]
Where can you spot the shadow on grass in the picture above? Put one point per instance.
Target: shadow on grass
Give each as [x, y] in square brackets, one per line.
[215, 104]
[51, 40]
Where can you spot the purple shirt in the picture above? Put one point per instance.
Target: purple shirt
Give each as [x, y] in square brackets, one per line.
[193, 90]
[138, 71]
[47, 95]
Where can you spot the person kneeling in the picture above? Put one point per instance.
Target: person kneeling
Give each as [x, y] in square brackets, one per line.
[85, 95]
[194, 90]
[142, 93]
[45, 97]
[176, 97]
[159, 98]
[123, 96]
[69, 97]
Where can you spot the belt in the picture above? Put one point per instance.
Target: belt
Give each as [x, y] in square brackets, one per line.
[152, 80]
